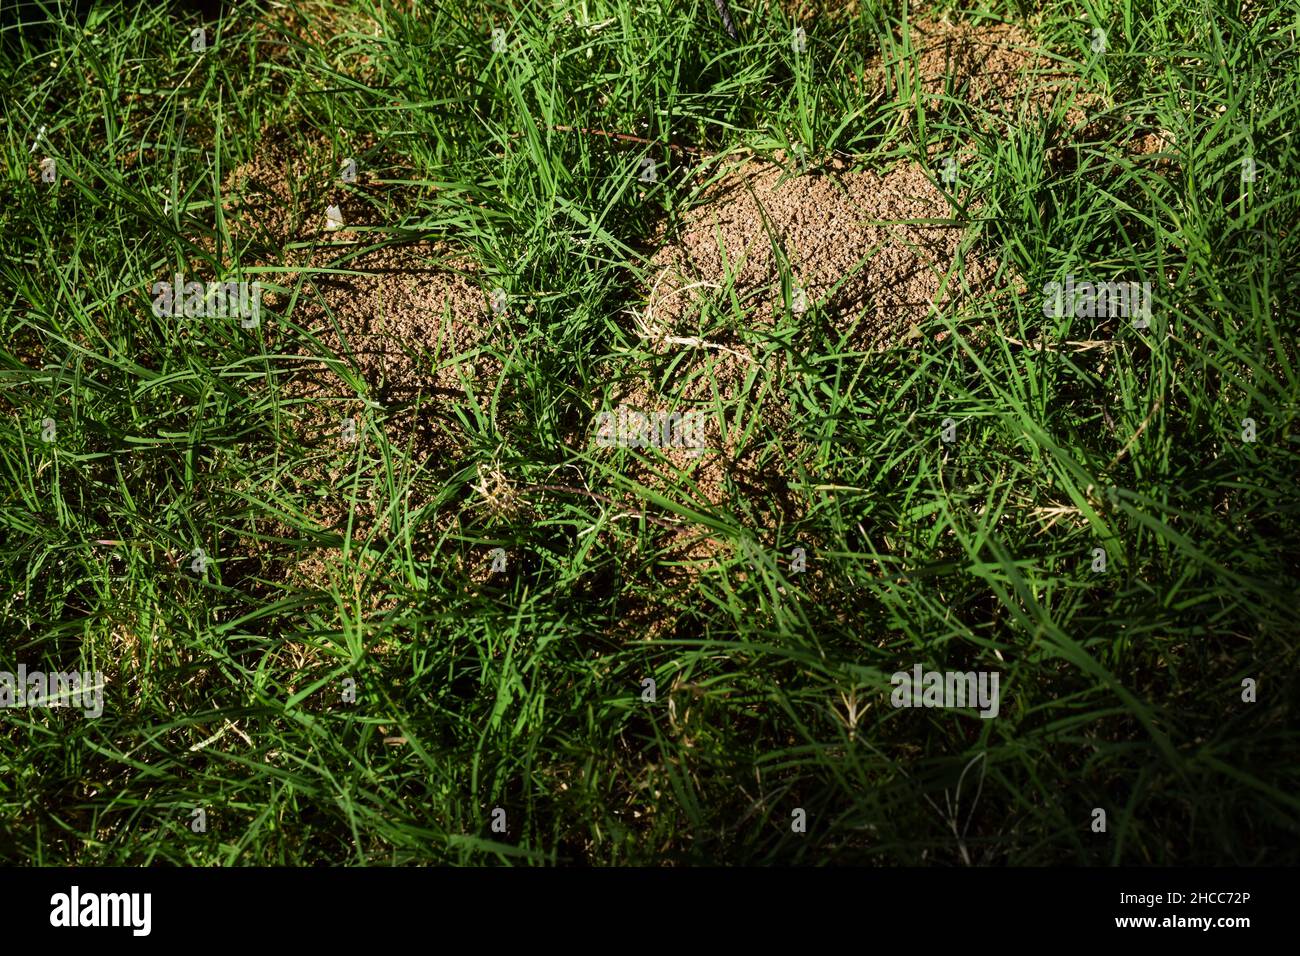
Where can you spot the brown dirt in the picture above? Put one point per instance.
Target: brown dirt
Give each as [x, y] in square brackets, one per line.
[413, 327]
[410, 322]
[877, 251]
[280, 195]
[996, 67]
[1001, 71]
[873, 249]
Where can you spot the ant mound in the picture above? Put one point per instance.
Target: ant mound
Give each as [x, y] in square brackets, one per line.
[856, 257]
[995, 68]
[877, 252]
[401, 338]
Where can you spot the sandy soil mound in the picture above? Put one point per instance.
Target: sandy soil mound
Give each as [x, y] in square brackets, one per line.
[410, 326]
[400, 333]
[410, 329]
[875, 249]
[992, 66]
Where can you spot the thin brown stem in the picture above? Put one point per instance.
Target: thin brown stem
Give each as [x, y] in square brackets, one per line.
[606, 499]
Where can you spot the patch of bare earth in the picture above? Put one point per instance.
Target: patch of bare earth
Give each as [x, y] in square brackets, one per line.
[1000, 72]
[996, 68]
[877, 251]
[398, 335]
[410, 328]
[873, 252]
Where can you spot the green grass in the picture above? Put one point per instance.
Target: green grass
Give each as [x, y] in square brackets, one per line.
[1120, 690]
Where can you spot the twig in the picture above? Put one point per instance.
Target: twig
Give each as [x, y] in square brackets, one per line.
[629, 138]
[663, 522]
[1137, 434]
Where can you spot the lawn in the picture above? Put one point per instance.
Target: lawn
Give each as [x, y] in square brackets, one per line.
[604, 410]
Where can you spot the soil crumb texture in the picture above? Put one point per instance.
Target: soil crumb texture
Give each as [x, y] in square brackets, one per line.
[996, 68]
[876, 251]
